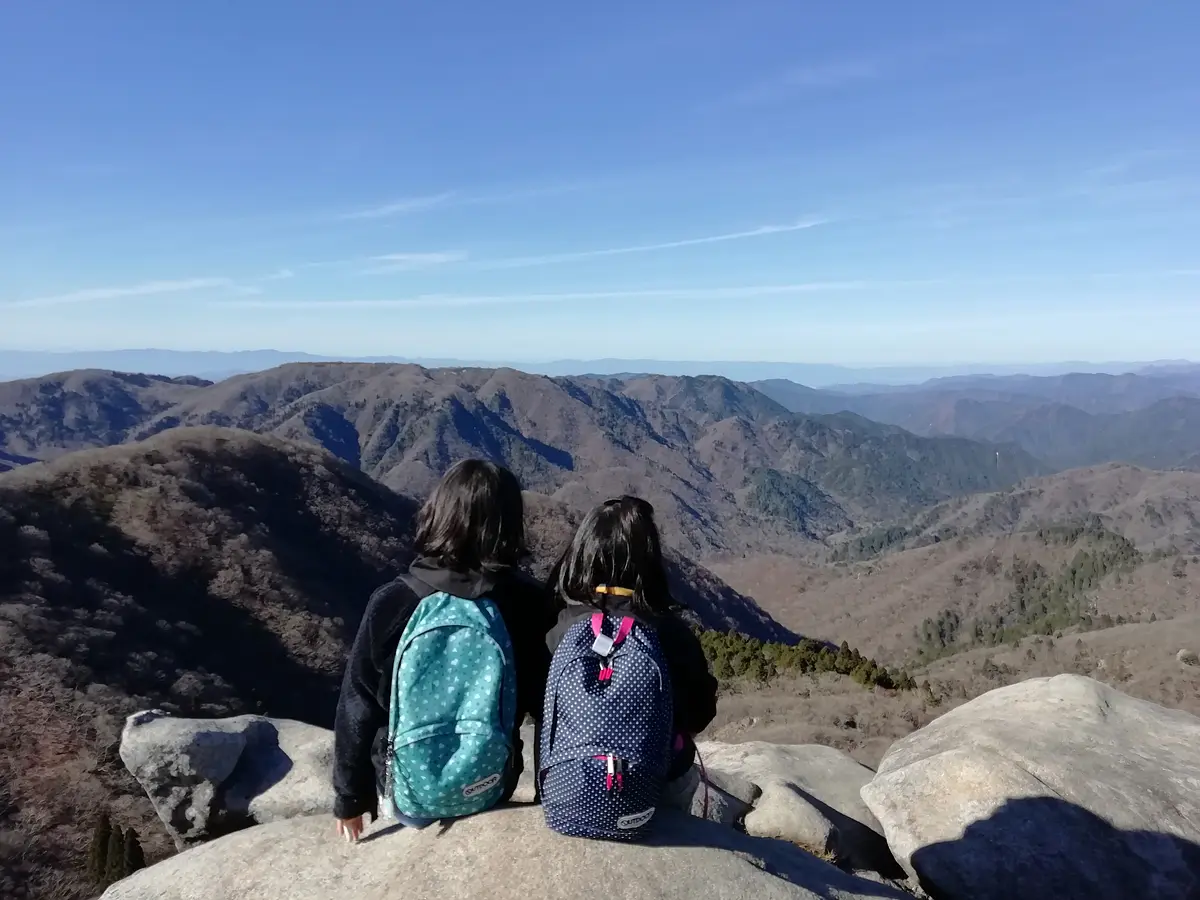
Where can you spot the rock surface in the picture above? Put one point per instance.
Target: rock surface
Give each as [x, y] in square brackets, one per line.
[506, 854]
[807, 794]
[1054, 787]
[207, 777]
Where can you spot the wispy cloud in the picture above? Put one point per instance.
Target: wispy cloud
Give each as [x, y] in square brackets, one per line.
[736, 293]
[145, 289]
[399, 207]
[675, 293]
[836, 74]
[410, 205]
[818, 77]
[517, 262]
[408, 262]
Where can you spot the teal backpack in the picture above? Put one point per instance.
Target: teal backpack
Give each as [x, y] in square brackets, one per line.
[453, 706]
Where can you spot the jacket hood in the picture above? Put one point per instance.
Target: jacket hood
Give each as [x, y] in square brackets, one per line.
[469, 585]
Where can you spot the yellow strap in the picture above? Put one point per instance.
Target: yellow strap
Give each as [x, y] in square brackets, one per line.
[615, 591]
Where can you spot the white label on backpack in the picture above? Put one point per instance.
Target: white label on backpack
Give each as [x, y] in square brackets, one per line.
[480, 786]
[603, 645]
[637, 820]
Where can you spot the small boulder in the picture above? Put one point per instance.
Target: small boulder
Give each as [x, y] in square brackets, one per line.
[207, 777]
[722, 798]
[807, 794]
[1189, 658]
[525, 792]
[1054, 787]
[504, 854]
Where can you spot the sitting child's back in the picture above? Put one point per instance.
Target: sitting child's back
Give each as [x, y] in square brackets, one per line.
[629, 685]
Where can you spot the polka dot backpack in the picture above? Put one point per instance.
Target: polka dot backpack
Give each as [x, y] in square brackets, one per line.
[606, 732]
[453, 704]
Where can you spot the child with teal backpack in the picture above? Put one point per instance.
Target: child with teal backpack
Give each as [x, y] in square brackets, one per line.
[448, 660]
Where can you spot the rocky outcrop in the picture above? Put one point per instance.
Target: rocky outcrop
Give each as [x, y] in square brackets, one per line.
[505, 854]
[207, 777]
[809, 795]
[1055, 787]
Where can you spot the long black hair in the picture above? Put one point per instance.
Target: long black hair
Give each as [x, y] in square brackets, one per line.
[616, 546]
[474, 520]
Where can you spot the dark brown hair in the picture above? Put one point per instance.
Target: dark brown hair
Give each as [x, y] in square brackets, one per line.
[474, 520]
[617, 545]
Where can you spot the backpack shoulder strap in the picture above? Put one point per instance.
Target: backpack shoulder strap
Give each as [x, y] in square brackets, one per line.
[623, 629]
[604, 645]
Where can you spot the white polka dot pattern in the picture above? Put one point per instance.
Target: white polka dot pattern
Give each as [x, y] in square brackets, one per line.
[454, 699]
[606, 743]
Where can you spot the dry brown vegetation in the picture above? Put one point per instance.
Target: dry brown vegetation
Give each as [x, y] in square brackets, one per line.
[211, 571]
[41, 418]
[1139, 659]
[726, 467]
[878, 603]
[207, 572]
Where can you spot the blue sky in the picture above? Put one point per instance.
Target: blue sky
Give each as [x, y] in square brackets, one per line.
[858, 183]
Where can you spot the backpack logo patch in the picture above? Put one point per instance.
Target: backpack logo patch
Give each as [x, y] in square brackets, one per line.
[637, 820]
[480, 786]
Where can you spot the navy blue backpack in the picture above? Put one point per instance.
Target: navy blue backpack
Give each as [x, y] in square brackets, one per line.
[606, 733]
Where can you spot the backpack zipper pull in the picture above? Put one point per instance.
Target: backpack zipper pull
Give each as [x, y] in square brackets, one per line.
[608, 783]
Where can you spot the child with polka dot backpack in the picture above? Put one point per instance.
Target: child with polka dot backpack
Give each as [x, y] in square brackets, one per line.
[628, 687]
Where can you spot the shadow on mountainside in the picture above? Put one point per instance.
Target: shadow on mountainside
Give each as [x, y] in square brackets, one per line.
[1046, 847]
[290, 530]
[121, 621]
[207, 573]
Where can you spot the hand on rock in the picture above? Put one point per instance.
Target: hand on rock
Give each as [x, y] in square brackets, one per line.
[350, 829]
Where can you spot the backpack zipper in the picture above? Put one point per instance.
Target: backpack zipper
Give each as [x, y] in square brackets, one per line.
[616, 771]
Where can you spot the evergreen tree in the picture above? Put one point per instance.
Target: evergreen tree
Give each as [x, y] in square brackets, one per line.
[132, 858]
[98, 850]
[115, 857]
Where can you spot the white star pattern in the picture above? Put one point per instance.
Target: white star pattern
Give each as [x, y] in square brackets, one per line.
[447, 734]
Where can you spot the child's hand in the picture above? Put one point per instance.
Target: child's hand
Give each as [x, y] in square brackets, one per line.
[350, 829]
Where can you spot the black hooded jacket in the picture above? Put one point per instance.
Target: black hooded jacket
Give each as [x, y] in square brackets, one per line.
[360, 728]
[693, 687]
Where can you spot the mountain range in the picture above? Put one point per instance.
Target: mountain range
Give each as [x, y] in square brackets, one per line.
[208, 547]
[728, 468]
[1080, 419]
[216, 365]
[731, 467]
